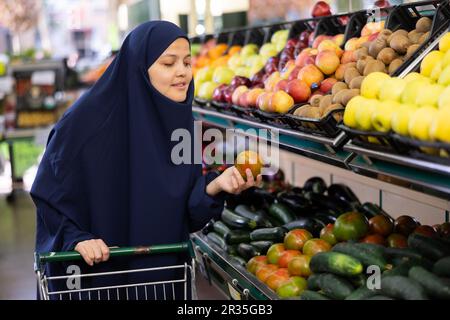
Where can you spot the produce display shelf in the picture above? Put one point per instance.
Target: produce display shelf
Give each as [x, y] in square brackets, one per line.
[231, 279]
[316, 147]
[423, 176]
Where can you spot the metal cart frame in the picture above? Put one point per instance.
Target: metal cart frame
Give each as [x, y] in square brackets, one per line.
[94, 293]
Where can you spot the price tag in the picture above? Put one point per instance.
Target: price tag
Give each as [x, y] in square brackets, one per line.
[235, 295]
[43, 78]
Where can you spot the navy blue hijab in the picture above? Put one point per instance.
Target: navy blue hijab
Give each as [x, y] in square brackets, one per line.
[107, 172]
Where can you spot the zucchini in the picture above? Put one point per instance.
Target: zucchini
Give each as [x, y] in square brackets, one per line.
[232, 250]
[233, 220]
[335, 262]
[244, 211]
[220, 228]
[217, 240]
[376, 249]
[371, 210]
[238, 260]
[297, 203]
[262, 245]
[275, 234]
[363, 254]
[237, 236]
[391, 253]
[335, 287]
[400, 270]
[432, 284]
[429, 247]
[247, 251]
[358, 281]
[343, 195]
[281, 213]
[362, 293]
[312, 295]
[442, 267]
[400, 287]
[380, 297]
[314, 281]
[324, 202]
[325, 217]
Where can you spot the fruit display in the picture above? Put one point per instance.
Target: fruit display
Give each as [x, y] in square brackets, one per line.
[416, 106]
[317, 242]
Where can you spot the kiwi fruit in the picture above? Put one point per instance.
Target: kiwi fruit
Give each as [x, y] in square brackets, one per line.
[394, 65]
[386, 55]
[400, 32]
[361, 52]
[411, 49]
[362, 63]
[385, 33]
[337, 115]
[400, 44]
[349, 74]
[414, 36]
[373, 66]
[325, 102]
[366, 45]
[313, 113]
[315, 100]
[338, 86]
[347, 95]
[376, 46]
[356, 82]
[424, 37]
[423, 24]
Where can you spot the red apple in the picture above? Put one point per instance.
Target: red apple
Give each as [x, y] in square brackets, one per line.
[281, 85]
[294, 73]
[327, 62]
[304, 37]
[311, 75]
[240, 81]
[218, 94]
[298, 90]
[327, 84]
[237, 93]
[321, 9]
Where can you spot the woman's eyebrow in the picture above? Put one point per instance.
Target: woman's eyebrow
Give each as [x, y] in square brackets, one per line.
[175, 56]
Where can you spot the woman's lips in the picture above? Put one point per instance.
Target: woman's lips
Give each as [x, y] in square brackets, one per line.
[181, 85]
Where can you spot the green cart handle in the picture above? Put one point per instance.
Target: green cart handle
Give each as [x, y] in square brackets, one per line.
[41, 258]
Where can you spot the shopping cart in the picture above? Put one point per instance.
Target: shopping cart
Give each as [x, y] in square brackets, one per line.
[153, 290]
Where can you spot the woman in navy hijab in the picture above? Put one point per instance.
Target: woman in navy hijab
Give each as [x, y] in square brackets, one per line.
[107, 178]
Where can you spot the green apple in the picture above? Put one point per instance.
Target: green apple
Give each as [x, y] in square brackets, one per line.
[256, 67]
[420, 122]
[206, 90]
[436, 72]
[444, 78]
[444, 99]
[204, 74]
[350, 111]
[392, 89]
[440, 128]
[223, 75]
[413, 89]
[243, 72]
[381, 117]
[363, 114]
[446, 60]
[400, 118]
[235, 61]
[413, 76]
[429, 95]
[249, 49]
[280, 36]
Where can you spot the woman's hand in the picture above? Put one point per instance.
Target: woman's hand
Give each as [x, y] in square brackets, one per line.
[231, 181]
[93, 251]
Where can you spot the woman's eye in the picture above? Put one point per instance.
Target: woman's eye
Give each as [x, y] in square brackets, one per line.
[187, 64]
[168, 64]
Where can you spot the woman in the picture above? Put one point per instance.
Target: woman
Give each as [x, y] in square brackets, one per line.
[107, 179]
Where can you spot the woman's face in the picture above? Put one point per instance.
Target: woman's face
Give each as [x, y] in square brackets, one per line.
[172, 73]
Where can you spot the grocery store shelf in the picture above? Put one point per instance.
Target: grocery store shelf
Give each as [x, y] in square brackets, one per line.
[423, 176]
[315, 147]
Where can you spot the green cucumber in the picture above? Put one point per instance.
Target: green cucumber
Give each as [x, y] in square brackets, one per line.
[238, 260]
[275, 234]
[391, 253]
[432, 284]
[262, 245]
[335, 262]
[232, 250]
[220, 228]
[362, 293]
[442, 267]
[367, 257]
[234, 220]
[429, 247]
[246, 212]
[247, 251]
[281, 213]
[314, 281]
[312, 295]
[401, 269]
[400, 287]
[217, 240]
[380, 297]
[372, 247]
[335, 287]
[237, 236]
[359, 280]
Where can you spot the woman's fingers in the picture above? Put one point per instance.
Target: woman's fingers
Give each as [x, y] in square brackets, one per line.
[258, 180]
[104, 248]
[93, 251]
[250, 179]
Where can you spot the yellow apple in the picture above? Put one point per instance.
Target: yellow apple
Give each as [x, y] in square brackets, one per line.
[429, 62]
[413, 89]
[420, 122]
[444, 78]
[382, 116]
[444, 99]
[392, 89]
[440, 127]
[444, 43]
[364, 113]
[350, 111]
[400, 118]
[371, 84]
[429, 95]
